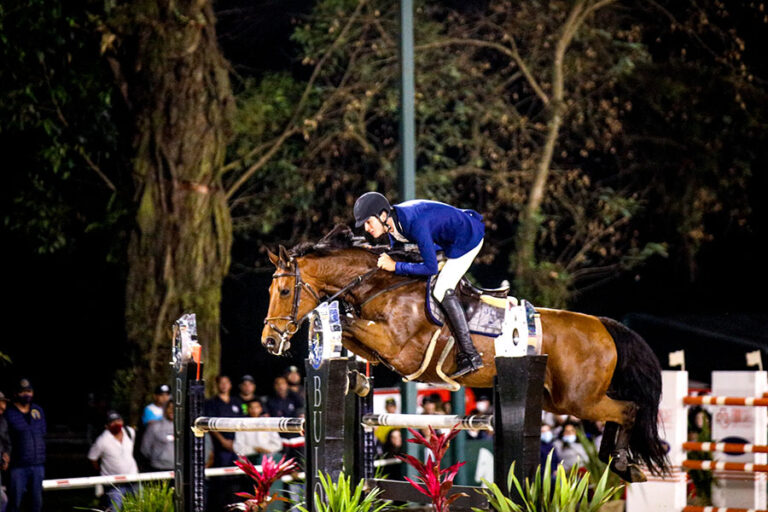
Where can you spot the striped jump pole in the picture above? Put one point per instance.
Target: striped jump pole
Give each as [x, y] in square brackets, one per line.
[720, 509]
[709, 465]
[205, 424]
[726, 447]
[749, 401]
[436, 421]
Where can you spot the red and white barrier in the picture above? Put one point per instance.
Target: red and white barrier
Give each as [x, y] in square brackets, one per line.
[93, 481]
[739, 469]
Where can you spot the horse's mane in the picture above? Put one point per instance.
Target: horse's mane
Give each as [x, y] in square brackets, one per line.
[341, 237]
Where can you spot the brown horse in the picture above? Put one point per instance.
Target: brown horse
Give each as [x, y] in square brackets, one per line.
[597, 369]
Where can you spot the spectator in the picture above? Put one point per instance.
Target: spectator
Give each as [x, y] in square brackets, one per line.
[393, 445]
[293, 377]
[223, 406]
[154, 411]
[247, 392]
[548, 445]
[5, 449]
[381, 433]
[252, 444]
[112, 454]
[568, 447]
[26, 429]
[221, 490]
[483, 405]
[284, 402]
[157, 443]
[428, 406]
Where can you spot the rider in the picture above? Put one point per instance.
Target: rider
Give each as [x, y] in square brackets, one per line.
[433, 226]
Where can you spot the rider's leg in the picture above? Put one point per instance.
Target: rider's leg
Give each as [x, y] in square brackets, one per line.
[468, 359]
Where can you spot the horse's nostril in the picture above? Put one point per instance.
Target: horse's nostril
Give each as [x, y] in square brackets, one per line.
[270, 342]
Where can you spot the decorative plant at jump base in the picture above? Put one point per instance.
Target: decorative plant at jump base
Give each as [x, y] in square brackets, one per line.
[594, 465]
[435, 482]
[339, 496]
[568, 493]
[263, 480]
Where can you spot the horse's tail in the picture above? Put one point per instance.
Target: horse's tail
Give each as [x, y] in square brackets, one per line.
[637, 378]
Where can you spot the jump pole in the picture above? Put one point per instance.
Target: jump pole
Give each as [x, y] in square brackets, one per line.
[736, 416]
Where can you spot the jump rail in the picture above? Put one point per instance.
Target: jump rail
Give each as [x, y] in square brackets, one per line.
[474, 422]
[728, 466]
[725, 447]
[750, 401]
[205, 424]
[720, 509]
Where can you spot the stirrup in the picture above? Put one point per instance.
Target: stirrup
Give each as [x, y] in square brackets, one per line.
[472, 364]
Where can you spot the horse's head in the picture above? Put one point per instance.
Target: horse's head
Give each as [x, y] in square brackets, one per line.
[291, 298]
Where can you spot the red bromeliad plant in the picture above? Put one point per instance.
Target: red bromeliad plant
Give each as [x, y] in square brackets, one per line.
[435, 482]
[270, 472]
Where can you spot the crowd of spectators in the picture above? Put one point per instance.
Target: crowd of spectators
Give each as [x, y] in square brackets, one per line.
[121, 449]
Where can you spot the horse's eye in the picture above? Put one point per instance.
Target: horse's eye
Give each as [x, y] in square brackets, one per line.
[284, 292]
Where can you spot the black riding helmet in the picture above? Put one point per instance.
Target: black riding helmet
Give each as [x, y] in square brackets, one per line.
[370, 204]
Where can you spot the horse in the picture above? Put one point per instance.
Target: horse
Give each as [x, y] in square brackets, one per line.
[597, 369]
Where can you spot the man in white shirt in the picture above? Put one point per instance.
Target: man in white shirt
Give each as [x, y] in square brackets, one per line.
[112, 454]
[252, 444]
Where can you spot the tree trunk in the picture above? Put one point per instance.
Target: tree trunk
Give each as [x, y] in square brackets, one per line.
[525, 259]
[176, 84]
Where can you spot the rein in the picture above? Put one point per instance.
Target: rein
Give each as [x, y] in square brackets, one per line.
[293, 323]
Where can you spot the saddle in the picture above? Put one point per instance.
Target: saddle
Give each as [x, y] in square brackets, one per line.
[484, 308]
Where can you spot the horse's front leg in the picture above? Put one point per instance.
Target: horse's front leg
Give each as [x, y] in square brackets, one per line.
[373, 336]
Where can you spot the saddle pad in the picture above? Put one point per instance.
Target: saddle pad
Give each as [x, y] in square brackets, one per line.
[482, 318]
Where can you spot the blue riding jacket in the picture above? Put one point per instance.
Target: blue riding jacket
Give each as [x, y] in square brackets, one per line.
[436, 227]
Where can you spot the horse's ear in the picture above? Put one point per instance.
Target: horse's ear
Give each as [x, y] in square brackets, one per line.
[274, 258]
[284, 256]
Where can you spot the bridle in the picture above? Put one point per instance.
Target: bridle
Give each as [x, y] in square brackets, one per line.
[293, 323]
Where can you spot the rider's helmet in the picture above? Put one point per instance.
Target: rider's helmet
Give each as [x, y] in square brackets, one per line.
[370, 204]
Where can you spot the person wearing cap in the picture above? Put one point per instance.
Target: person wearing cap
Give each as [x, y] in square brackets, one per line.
[112, 454]
[26, 429]
[157, 442]
[5, 448]
[247, 392]
[433, 226]
[154, 411]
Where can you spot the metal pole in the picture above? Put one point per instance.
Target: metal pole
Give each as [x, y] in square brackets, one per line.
[407, 171]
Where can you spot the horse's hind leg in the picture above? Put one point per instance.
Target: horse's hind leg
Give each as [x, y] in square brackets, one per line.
[608, 442]
[620, 418]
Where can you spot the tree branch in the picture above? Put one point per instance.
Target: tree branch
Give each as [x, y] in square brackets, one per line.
[511, 53]
[291, 127]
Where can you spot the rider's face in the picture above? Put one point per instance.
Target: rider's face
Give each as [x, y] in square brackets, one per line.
[375, 226]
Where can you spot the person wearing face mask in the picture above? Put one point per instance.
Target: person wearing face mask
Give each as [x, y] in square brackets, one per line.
[26, 429]
[112, 454]
[548, 445]
[568, 447]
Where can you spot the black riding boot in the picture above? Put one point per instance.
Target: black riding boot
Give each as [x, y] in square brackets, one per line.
[468, 359]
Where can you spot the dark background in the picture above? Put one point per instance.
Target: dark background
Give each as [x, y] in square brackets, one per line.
[63, 313]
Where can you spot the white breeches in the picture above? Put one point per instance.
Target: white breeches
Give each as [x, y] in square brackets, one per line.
[452, 272]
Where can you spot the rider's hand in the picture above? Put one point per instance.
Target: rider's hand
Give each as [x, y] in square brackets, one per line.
[386, 262]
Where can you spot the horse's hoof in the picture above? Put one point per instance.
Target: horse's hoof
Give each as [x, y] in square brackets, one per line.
[636, 474]
[631, 473]
[620, 463]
